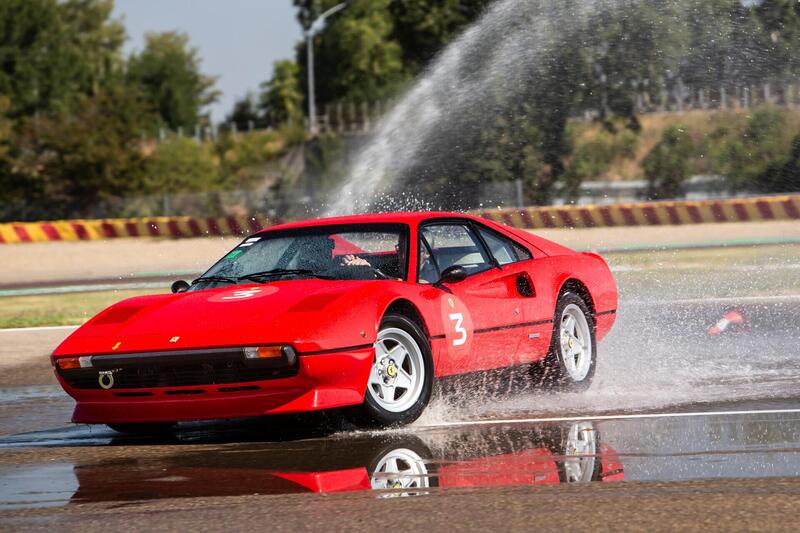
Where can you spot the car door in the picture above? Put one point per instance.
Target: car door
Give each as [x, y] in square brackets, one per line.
[480, 313]
[518, 264]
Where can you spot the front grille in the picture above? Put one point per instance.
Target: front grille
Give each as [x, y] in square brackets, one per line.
[176, 369]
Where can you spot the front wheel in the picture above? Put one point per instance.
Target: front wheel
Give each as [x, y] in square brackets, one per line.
[400, 466]
[570, 362]
[401, 378]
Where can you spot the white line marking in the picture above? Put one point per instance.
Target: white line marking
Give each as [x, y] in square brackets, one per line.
[82, 288]
[702, 268]
[611, 417]
[38, 328]
[728, 299]
[736, 299]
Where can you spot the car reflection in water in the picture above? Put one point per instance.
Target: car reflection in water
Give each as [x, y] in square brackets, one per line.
[394, 463]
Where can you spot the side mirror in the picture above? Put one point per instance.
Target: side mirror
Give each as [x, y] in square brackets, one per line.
[180, 286]
[452, 274]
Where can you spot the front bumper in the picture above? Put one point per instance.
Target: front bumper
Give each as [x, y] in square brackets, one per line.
[322, 381]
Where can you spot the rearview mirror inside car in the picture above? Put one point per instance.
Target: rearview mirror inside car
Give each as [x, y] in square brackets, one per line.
[180, 286]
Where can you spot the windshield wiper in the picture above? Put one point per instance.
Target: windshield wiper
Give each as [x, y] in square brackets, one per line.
[261, 276]
[211, 279]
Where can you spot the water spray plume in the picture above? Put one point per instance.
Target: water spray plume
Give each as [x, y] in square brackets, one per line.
[493, 107]
[492, 61]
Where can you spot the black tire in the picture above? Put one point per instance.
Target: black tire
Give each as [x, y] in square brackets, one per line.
[370, 413]
[552, 372]
[144, 429]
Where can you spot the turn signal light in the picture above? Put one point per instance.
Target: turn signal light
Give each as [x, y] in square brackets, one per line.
[68, 363]
[271, 352]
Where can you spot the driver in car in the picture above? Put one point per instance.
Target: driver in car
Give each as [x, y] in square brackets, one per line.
[353, 260]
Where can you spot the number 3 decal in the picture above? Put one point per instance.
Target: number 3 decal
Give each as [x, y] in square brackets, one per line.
[458, 318]
[238, 295]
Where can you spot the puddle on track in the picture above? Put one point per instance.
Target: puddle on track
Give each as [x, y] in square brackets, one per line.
[408, 462]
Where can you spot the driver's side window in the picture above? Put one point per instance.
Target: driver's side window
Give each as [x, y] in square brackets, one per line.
[450, 244]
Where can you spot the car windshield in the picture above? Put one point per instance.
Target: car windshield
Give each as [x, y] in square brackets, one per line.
[342, 252]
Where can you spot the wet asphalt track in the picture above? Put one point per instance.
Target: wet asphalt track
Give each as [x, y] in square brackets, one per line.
[679, 431]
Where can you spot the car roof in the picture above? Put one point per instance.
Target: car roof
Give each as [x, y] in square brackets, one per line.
[372, 218]
[539, 244]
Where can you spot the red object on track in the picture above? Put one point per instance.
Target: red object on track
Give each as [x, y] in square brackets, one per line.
[362, 310]
[734, 320]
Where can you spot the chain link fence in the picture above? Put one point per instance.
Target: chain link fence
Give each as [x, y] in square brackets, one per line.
[312, 202]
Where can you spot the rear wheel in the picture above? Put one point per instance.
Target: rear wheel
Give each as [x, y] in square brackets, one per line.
[580, 463]
[401, 378]
[570, 362]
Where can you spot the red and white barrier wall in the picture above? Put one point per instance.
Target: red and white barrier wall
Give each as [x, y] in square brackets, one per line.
[88, 230]
[651, 213]
[632, 214]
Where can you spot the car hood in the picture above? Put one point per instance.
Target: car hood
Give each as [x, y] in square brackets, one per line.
[310, 314]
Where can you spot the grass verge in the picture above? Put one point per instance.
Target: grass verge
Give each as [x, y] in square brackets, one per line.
[58, 309]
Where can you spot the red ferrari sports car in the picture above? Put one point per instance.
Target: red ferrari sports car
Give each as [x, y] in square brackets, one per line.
[363, 311]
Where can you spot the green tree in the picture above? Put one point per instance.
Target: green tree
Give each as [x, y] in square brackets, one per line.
[592, 155]
[5, 129]
[167, 72]
[780, 20]
[746, 156]
[423, 27]
[308, 10]
[73, 161]
[510, 148]
[620, 47]
[709, 28]
[51, 53]
[783, 175]
[281, 98]
[36, 68]
[9, 183]
[356, 58]
[180, 164]
[372, 65]
[244, 114]
[96, 38]
[666, 167]
[420, 27]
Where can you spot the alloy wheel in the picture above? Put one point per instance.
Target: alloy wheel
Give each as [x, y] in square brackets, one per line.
[398, 371]
[576, 343]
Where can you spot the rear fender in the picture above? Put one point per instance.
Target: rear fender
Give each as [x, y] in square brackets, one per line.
[551, 273]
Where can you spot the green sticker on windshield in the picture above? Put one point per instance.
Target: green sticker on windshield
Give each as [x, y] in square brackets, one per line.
[233, 255]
